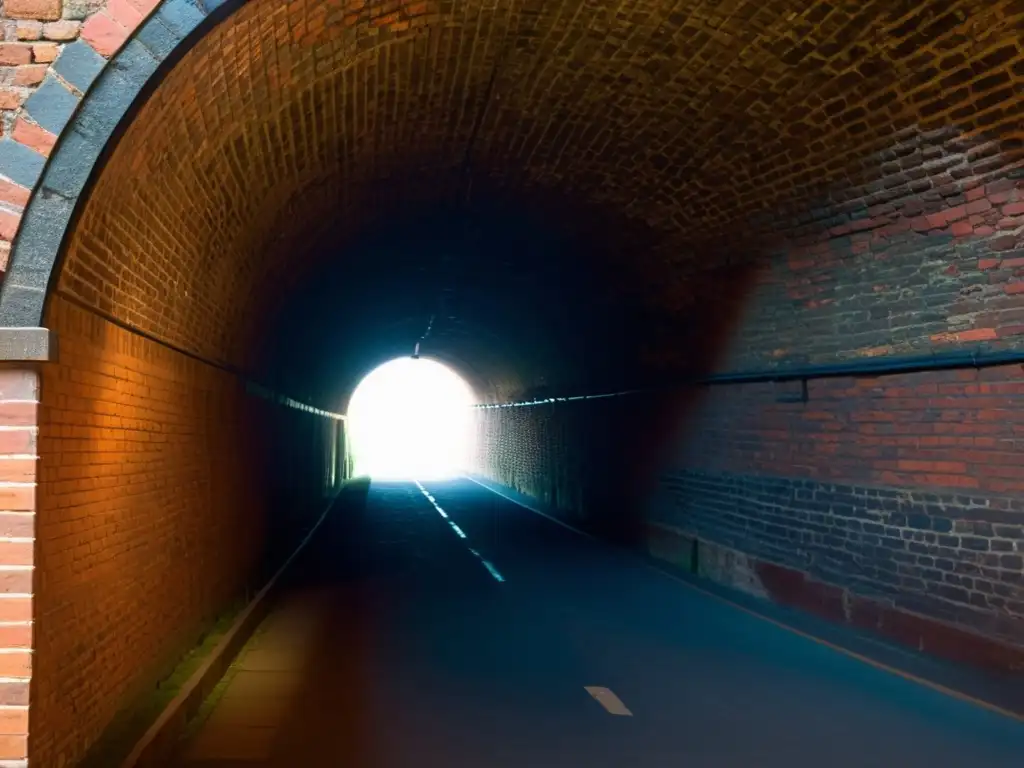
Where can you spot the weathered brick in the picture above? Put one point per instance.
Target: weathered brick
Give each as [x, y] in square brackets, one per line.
[33, 9]
[44, 53]
[9, 223]
[29, 30]
[61, 31]
[33, 136]
[10, 98]
[104, 33]
[30, 75]
[14, 54]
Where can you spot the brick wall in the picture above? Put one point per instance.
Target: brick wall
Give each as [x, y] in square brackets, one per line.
[905, 489]
[586, 461]
[37, 95]
[890, 503]
[158, 478]
[19, 391]
[929, 258]
[902, 122]
[902, 487]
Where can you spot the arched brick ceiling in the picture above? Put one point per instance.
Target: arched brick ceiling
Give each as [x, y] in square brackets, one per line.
[292, 128]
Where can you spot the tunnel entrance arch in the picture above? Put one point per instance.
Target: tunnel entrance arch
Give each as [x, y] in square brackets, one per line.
[411, 419]
[154, 310]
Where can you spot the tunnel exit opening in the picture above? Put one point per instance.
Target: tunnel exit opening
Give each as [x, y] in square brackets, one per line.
[411, 419]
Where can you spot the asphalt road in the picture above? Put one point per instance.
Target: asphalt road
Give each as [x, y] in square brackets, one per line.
[469, 639]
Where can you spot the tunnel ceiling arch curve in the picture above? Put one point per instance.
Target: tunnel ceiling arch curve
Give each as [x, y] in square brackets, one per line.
[553, 198]
[671, 127]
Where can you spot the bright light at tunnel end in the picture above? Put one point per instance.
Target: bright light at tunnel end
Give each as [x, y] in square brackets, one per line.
[411, 419]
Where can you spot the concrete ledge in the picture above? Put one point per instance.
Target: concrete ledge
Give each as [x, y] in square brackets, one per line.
[160, 741]
[912, 645]
[21, 345]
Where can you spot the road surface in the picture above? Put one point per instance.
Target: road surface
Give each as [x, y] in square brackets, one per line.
[448, 627]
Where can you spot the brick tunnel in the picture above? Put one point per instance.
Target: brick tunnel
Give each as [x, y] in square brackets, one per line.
[738, 285]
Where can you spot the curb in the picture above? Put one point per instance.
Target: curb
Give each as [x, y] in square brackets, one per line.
[161, 738]
[664, 569]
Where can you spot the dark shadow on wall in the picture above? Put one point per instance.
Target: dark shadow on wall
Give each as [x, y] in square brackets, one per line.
[596, 462]
[641, 429]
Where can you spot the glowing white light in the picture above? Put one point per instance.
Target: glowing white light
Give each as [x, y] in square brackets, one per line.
[411, 419]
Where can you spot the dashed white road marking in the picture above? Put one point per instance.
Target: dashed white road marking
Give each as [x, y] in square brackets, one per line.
[461, 534]
[608, 700]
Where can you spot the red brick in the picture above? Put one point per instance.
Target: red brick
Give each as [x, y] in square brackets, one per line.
[9, 223]
[9, 98]
[17, 499]
[45, 52]
[998, 186]
[104, 34]
[148, 249]
[15, 54]
[988, 263]
[62, 31]
[13, 694]
[125, 13]
[15, 609]
[16, 441]
[933, 466]
[13, 721]
[18, 384]
[144, 7]
[1013, 209]
[17, 525]
[1014, 288]
[31, 135]
[13, 747]
[16, 582]
[15, 664]
[16, 636]
[33, 9]
[30, 74]
[29, 30]
[978, 334]
[962, 228]
[17, 470]
[17, 413]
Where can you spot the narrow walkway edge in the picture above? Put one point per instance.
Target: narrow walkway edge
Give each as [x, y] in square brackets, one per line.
[162, 735]
[946, 690]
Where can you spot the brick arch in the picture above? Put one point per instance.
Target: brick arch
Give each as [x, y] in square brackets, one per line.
[723, 139]
[784, 122]
[64, 125]
[765, 120]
